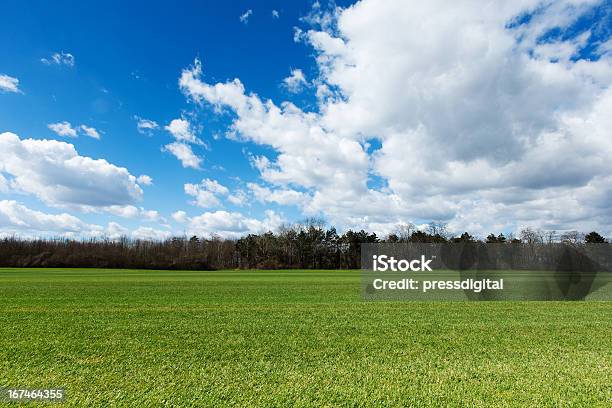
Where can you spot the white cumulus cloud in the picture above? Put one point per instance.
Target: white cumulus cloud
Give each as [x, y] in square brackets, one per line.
[182, 131]
[54, 172]
[475, 112]
[18, 219]
[66, 129]
[206, 194]
[184, 135]
[232, 224]
[63, 129]
[184, 153]
[144, 180]
[179, 216]
[91, 132]
[296, 81]
[150, 234]
[9, 84]
[279, 196]
[238, 197]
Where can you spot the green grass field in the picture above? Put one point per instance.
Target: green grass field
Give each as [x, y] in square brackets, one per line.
[290, 338]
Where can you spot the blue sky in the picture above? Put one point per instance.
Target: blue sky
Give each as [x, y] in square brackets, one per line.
[127, 60]
[386, 128]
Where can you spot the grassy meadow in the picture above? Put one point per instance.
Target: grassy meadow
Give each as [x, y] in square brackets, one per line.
[290, 338]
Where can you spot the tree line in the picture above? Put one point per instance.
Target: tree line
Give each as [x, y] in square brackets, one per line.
[307, 245]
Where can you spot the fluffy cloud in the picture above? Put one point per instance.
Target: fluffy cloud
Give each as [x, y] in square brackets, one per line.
[19, 219]
[91, 132]
[296, 81]
[151, 215]
[9, 84]
[227, 224]
[59, 58]
[3, 184]
[130, 211]
[493, 115]
[308, 154]
[179, 216]
[144, 180]
[54, 172]
[279, 196]
[231, 224]
[482, 116]
[182, 131]
[63, 129]
[145, 126]
[206, 193]
[238, 197]
[115, 231]
[184, 153]
[150, 234]
[67, 130]
[275, 14]
[125, 211]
